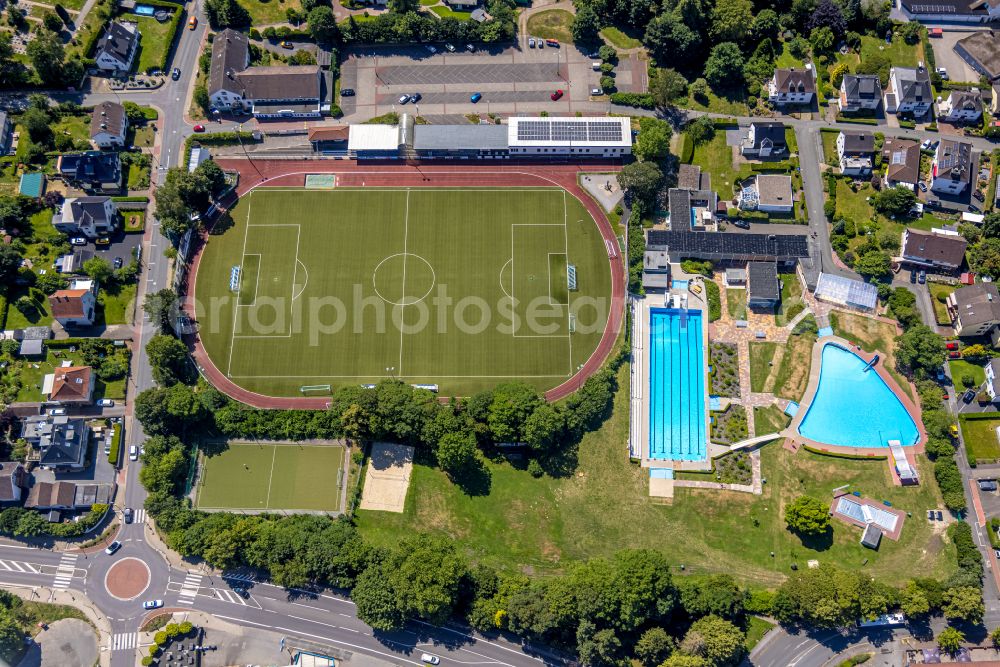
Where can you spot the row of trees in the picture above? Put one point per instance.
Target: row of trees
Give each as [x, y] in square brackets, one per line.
[184, 193]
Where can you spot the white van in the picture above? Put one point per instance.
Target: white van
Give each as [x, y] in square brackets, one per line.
[133, 453]
[596, 66]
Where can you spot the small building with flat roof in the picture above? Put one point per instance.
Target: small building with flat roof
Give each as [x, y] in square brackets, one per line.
[373, 141]
[32, 185]
[460, 141]
[763, 290]
[872, 536]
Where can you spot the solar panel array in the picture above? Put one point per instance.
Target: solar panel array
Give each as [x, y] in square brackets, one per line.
[562, 130]
[934, 9]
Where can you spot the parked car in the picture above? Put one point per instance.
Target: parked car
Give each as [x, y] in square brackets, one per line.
[193, 23]
[133, 453]
[287, 45]
[951, 345]
[741, 223]
[922, 277]
[57, 412]
[103, 240]
[347, 92]
[969, 396]
[943, 73]
[127, 515]
[974, 209]
[596, 91]
[531, 42]
[554, 43]
[113, 547]
[403, 99]
[416, 97]
[118, 262]
[176, 73]
[954, 354]
[940, 515]
[556, 95]
[475, 97]
[105, 403]
[930, 515]
[953, 429]
[78, 240]
[925, 145]
[540, 43]
[450, 47]
[152, 604]
[242, 592]
[922, 186]
[913, 277]
[430, 659]
[199, 128]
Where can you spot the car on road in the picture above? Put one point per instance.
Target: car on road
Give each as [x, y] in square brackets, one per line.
[922, 186]
[951, 345]
[347, 92]
[475, 97]
[118, 262]
[103, 240]
[470, 48]
[152, 604]
[450, 47]
[78, 240]
[913, 277]
[554, 43]
[416, 97]
[596, 91]
[193, 23]
[113, 547]
[431, 48]
[925, 145]
[127, 515]
[287, 45]
[430, 659]
[133, 453]
[403, 99]
[942, 72]
[242, 592]
[556, 95]
[105, 403]
[199, 128]
[922, 277]
[56, 412]
[531, 42]
[176, 73]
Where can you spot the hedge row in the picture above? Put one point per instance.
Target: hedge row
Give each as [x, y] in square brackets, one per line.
[841, 118]
[686, 149]
[979, 415]
[839, 455]
[116, 442]
[641, 100]
[144, 200]
[907, 124]
[785, 166]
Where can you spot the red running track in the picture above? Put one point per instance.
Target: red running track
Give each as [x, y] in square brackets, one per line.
[292, 173]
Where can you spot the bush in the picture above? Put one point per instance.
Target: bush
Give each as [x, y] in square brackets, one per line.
[535, 469]
[640, 100]
[607, 83]
[949, 480]
[970, 560]
[696, 266]
[116, 442]
[714, 300]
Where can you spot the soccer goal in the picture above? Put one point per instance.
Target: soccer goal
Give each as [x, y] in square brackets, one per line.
[314, 388]
[571, 277]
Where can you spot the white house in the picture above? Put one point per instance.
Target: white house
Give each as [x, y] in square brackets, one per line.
[116, 49]
[108, 125]
[859, 92]
[792, 86]
[909, 91]
[765, 139]
[952, 167]
[86, 216]
[76, 306]
[856, 151]
[961, 106]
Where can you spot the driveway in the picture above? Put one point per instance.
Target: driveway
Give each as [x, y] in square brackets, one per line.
[66, 642]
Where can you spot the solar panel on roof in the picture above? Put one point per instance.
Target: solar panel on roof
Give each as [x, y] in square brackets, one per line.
[934, 9]
[567, 130]
[899, 157]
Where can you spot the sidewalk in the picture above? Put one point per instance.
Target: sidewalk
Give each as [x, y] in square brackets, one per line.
[78, 601]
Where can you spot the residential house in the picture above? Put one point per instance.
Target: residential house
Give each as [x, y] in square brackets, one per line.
[856, 151]
[51, 496]
[57, 442]
[975, 310]
[69, 385]
[952, 168]
[13, 481]
[961, 106]
[902, 160]
[94, 171]
[769, 193]
[909, 91]
[6, 132]
[764, 140]
[692, 210]
[265, 92]
[992, 387]
[117, 47]
[763, 288]
[933, 250]
[792, 86]
[76, 306]
[691, 177]
[859, 92]
[995, 98]
[91, 217]
[951, 11]
[108, 125]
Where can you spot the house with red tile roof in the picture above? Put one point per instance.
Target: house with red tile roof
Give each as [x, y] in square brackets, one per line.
[76, 306]
[70, 384]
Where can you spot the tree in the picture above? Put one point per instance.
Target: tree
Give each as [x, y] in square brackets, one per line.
[913, 601]
[731, 19]
[837, 73]
[919, 351]
[323, 25]
[964, 603]
[681, 660]
[895, 201]
[701, 130]
[52, 22]
[873, 264]
[995, 637]
[654, 646]
[984, 257]
[717, 640]
[456, 453]
[168, 359]
[544, 427]
[669, 86]
[717, 594]
[822, 40]
[653, 142]
[991, 225]
[403, 6]
[227, 14]
[11, 634]
[376, 601]
[642, 181]
[50, 283]
[808, 516]
[12, 73]
[99, 269]
[828, 15]
[47, 54]
[699, 90]
[586, 25]
[667, 35]
[425, 573]
[724, 67]
[10, 263]
[950, 639]
[161, 307]
[765, 25]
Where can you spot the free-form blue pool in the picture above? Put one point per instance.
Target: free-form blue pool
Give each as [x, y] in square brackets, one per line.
[854, 407]
[677, 385]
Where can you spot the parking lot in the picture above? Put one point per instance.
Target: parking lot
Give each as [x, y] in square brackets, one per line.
[945, 56]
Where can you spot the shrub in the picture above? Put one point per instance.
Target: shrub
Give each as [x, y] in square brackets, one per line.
[640, 100]
[535, 468]
[160, 637]
[714, 300]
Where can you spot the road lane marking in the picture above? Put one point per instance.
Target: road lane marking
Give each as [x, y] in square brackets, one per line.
[126, 641]
[189, 589]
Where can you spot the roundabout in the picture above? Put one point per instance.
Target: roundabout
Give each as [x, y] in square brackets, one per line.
[127, 579]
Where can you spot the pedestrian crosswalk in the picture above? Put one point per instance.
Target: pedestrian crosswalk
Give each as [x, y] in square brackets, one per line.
[139, 517]
[19, 566]
[189, 589]
[229, 596]
[125, 641]
[65, 571]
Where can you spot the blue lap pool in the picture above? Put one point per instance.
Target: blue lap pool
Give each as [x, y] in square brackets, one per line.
[677, 385]
[854, 407]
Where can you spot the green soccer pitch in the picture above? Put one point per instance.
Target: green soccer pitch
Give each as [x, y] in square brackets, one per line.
[272, 477]
[462, 287]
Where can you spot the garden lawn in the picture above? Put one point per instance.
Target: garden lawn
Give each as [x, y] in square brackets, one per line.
[769, 419]
[40, 315]
[76, 126]
[552, 24]
[782, 370]
[117, 306]
[543, 526]
[135, 221]
[618, 38]
[154, 43]
[265, 12]
[980, 436]
[829, 146]
[730, 104]
[786, 59]
[761, 355]
[716, 158]
[445, 12]
[32, 374]
[143, 137]
[940, 291]
[138, 177]
[791, 299]
[899, 53]
[960, 368]
[736, 303]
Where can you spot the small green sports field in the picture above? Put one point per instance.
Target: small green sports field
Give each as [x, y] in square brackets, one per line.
[272, 477]
[460, 287]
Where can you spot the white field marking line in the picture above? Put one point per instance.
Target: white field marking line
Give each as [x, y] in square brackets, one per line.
[569, 308]
[256, 285]
[509, 261]
[513, 278]
[402, 299]
[306, 271]
[270, 478]
[236, 309]
[295, 272]
[414, 377]
[309, 620]
[275, 336]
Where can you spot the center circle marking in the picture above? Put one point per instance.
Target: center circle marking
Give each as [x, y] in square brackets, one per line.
[404, 299]
[127, 579]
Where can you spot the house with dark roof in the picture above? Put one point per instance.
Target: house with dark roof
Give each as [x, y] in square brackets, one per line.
[859, 92]
[961, 106]
[975, 310]
[86, 216]
[13, 481]
[902, 160]
[909, 91]
[69, 385]
[930, 250]
[728, 247]
[6, 129]
[108, 125]
[792, 86]
[692, 210]
[75, 306]
[230, 55]
[58, 442]
[93, 171]
[116, 48]
[952, 168]
[981, 49]
[856, 152]
[765, 139]
[763, 288]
